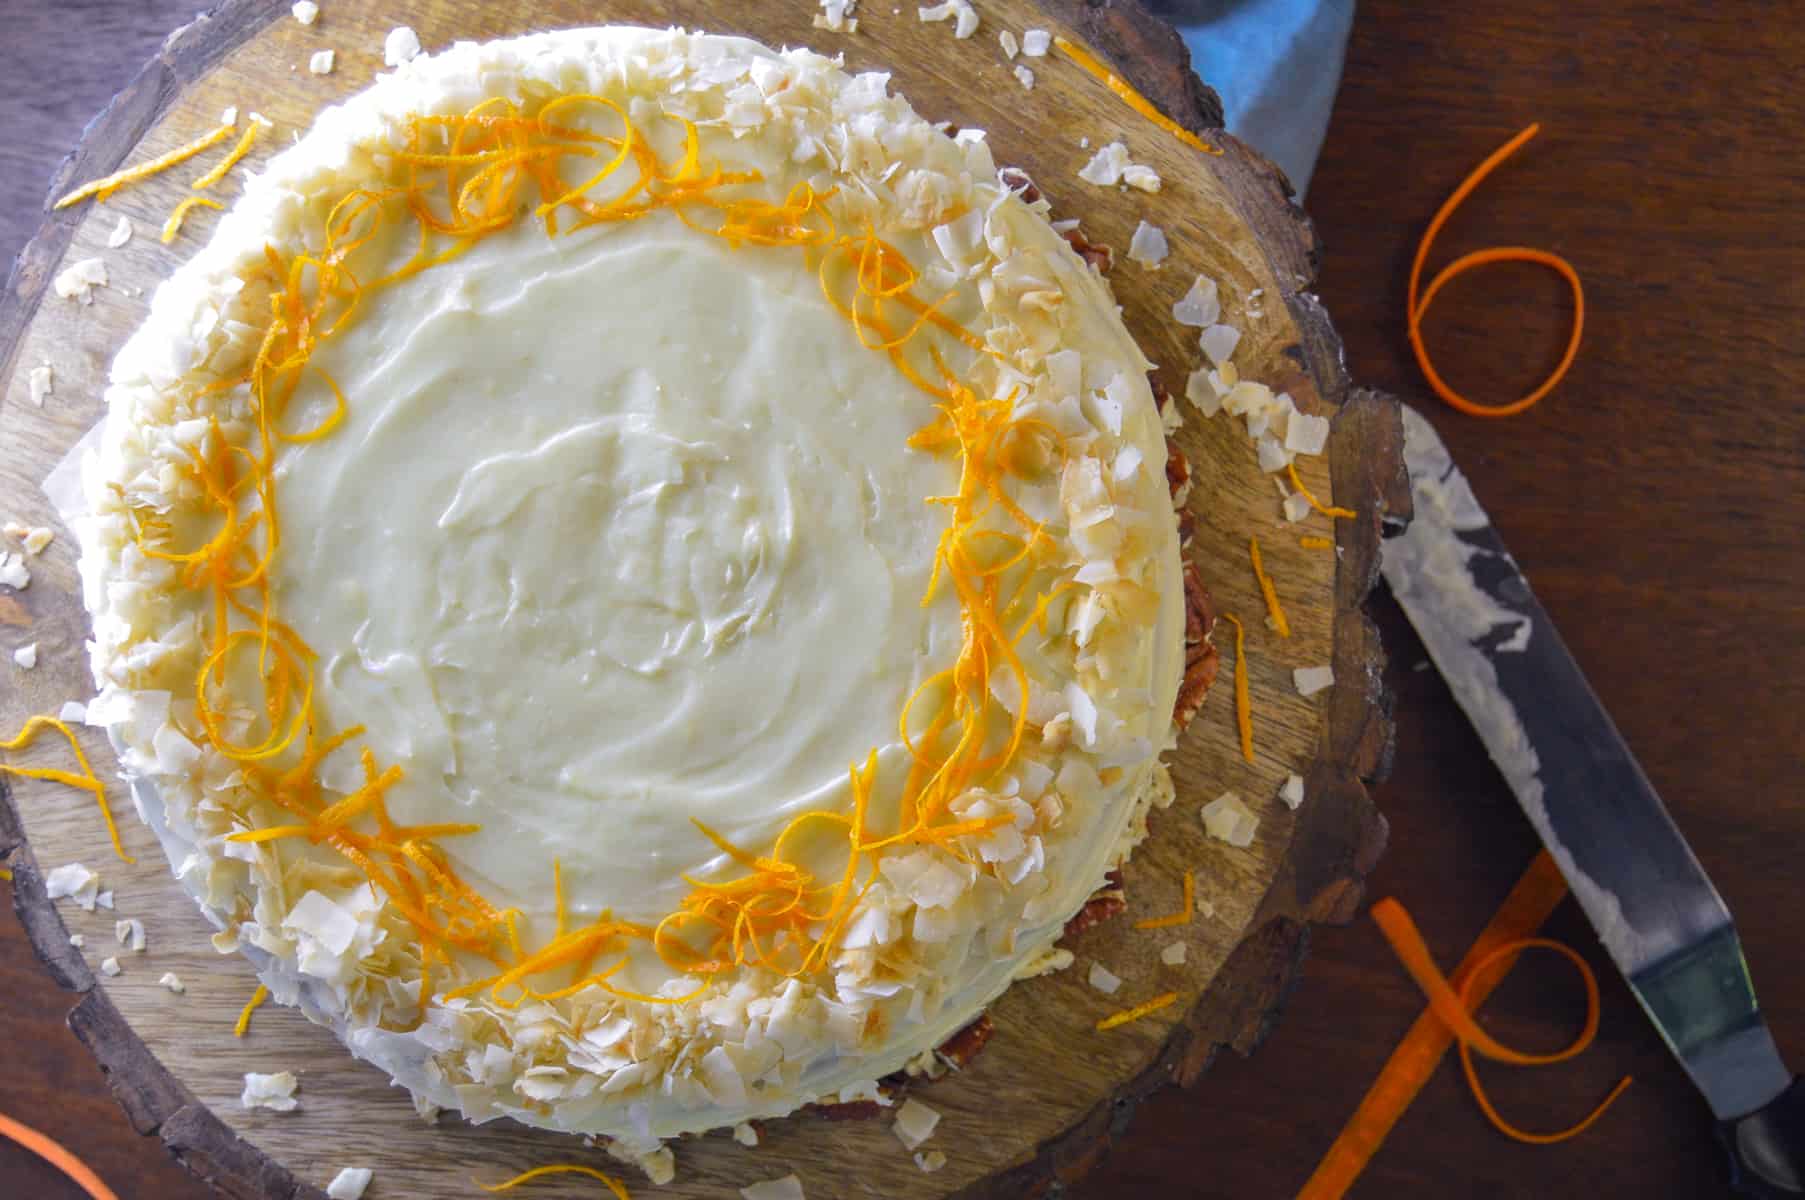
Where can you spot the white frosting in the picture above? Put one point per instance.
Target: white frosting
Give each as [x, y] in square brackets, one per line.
[594, 560]
[620, 528]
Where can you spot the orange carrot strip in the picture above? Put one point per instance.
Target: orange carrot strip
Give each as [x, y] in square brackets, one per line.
[57, 1156]
[1088, 63]
[1273, 607]
[1416, 309]
[244, 1016]
[613, 1184]
[1529, 904]
[1316, 543]
[1466, 1050]
[106, 185]
[1243, 705]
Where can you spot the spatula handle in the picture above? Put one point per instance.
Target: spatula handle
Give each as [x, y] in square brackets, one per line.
[1767, 1147]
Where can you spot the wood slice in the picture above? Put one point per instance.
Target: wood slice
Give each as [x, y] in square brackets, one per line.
[1040, 1104]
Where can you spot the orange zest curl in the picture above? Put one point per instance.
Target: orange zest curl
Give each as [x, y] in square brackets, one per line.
[245, 141]
[1182, 916]
[610, 1182]
[173, 225]
[1274, 609]
[1298, 484]
[243, 1026]
[87, 781]
[1309, 542]
[1145, 1008]
[1416, 308]
[105, 186]
[1092, 66]
[1243, 702]
[58, 1156]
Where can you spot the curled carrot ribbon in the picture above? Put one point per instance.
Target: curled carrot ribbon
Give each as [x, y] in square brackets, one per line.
[1417, 307]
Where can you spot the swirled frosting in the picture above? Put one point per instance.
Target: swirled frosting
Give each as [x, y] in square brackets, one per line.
[622, 528]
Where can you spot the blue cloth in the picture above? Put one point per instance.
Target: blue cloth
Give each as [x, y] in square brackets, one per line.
[1276, 65]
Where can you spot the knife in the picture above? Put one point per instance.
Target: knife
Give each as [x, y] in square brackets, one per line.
[1632, 872]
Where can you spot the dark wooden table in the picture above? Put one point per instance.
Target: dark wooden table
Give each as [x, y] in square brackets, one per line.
[1658, 501]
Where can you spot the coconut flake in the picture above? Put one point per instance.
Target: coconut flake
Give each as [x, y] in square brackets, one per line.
[1106, 166]
[36, 538]
[320, 63]
[787, 1188]
[1148, 246]
[109, 966]
[1025, 77]
[1219, 342]
[1141, 177]
[130, 934]
[1202, 393]
[173, 982]
[914, 1123]
[41, 383]
[1173, 955]
[306, 12]
[1310, 680]
[836, 16]
[1295, 507]
[1201, 306]
[1305, 434]
[80, 279]
[26, 656]
[402, 45]
[1271, 454]
[122, 233]
[746, 1134]
[1036, 43]
[1011, 47]
[349, 1184]
[274, 1092]
[1103, 979]
[930, 1160]
[72, 881]
[1292, 792]
[1227, 819]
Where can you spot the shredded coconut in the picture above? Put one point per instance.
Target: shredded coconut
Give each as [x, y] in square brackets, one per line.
[930, 1160]
[1104, 980]
[1219, 342]
[915, 1123]
[130, 934]
[13, 571]
[1201, 306]
[1148, 246]
[173, 982]
[836, 16]
[274, 1092]
[41, 382]
[1025, 77]
[73, 881]
[321, 62]
[122, 233]
[26, 656]
[109, 966]
[1173, 955]
[402, 45]
[1036, 42]
[1011, 47]
[349, 1184]
[746, 1134]
[1311, 680]
[1227, 819]
[306, 12]
[1292, 793]
[80, 279]
[787, 1188]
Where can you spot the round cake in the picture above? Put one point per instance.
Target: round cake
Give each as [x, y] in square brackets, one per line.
[634, 578]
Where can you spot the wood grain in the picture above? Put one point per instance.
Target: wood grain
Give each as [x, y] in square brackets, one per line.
[1044, 1100]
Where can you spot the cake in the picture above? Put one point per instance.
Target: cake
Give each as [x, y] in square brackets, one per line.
[634, 578]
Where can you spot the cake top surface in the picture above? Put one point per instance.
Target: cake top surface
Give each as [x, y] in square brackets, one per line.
[724, 615]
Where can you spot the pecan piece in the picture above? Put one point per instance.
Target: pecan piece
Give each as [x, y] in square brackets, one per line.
[1099, 256]
[1018, 181]
[959, 1051]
